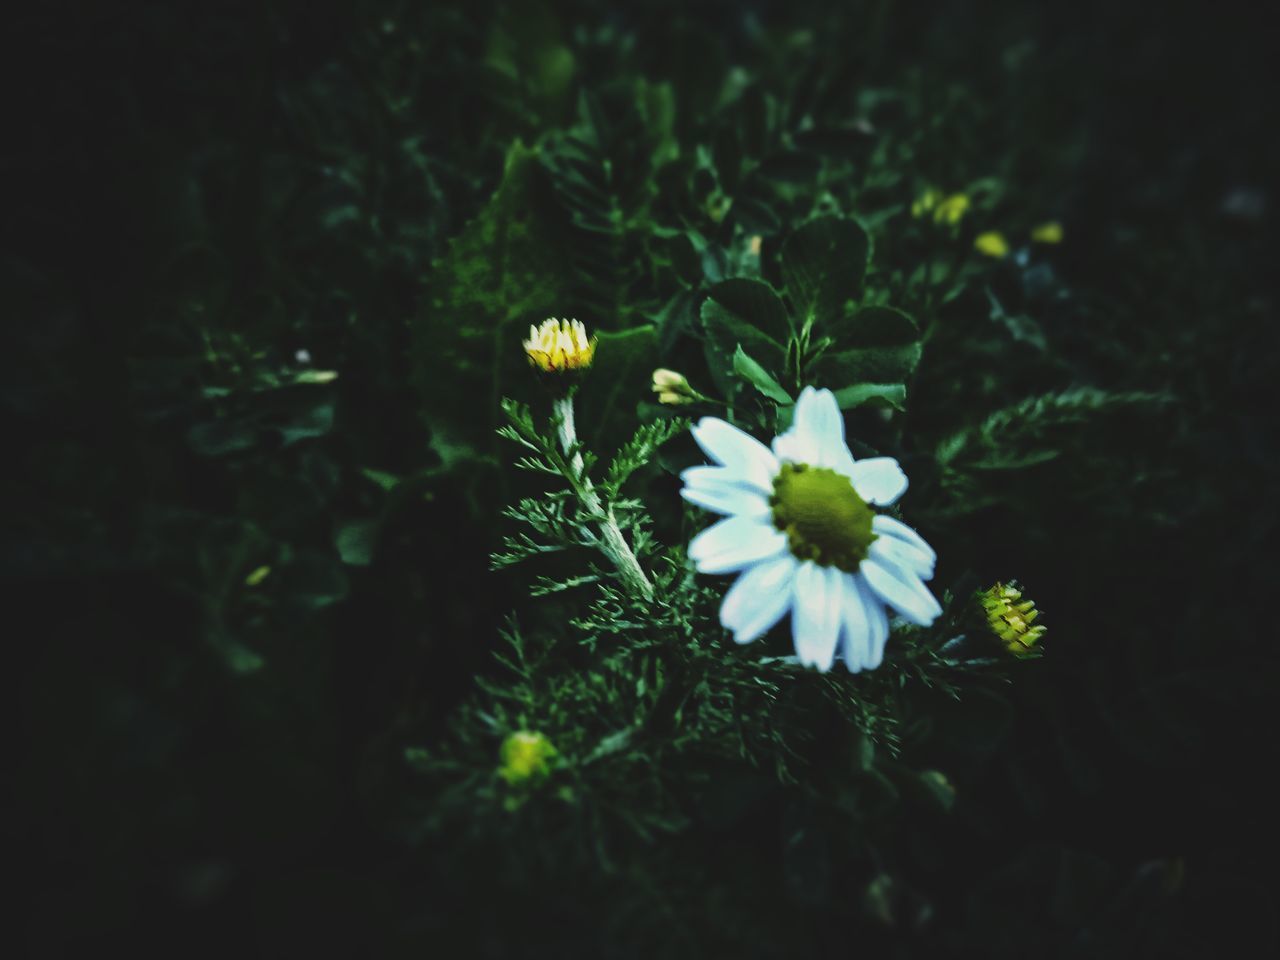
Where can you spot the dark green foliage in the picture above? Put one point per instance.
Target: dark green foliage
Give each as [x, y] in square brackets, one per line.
[267, 270]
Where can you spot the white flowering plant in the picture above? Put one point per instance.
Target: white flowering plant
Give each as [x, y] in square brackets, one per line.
[637, 660]
[575, 479]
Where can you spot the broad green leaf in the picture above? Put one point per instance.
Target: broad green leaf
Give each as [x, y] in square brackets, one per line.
[877, 326]
[744, 313]
[893, 394]
[355, 541]
[752, 303]
[939, 788]
[867, 365]
[311, 420]
[387, 481]
[220, 437]
[759, 377]
[618, 379]
[823, 267]
[875, 346]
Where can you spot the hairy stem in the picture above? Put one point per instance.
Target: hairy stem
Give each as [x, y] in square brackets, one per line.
[613, 543]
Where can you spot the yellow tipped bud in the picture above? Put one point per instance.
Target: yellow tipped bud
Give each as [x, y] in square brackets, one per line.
[925, 203]
[1009, 620]
[257, 576]
[951, 210]
[525, 756]
[560, 345]
[992, 244]
[672, 387]
[1049, 232]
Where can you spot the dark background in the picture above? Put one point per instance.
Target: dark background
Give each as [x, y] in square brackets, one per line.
[214, 188]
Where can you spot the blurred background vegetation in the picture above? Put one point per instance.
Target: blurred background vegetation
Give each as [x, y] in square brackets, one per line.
[266, 269]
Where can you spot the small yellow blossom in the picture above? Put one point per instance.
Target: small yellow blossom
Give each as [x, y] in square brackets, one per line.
[925, 202]
[1050, 232]
[560, 345]
[257, 576]
[951, 210]
[672, 387]
[992, 243]
[1010, 618]
[525, 756]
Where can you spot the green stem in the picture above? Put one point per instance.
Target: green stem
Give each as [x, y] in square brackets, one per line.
[612, 542]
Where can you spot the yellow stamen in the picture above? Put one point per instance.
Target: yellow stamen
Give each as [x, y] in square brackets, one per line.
[822, 515]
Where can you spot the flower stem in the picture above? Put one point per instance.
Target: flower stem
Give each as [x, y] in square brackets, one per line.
[612, 542]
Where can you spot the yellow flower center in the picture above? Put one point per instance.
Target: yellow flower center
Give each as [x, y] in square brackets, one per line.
[822, 515]
[560, 345]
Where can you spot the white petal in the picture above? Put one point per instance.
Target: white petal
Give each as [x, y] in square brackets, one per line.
[878, 622]
[730, 447]
[824, 422]
[878, 480]
[758, 599]
[735, 543]
[705, 476]
[855, 626]
[815, 614]
[899, 587]
[889, 527]
[817, 432]
[794, 448]
[918, 561]
[730, 498]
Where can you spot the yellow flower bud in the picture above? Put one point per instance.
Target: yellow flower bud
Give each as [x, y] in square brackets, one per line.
[1010, 617]
[992, 244]
[1050, 232]
[560, 345]
[951, 210]
[525, 756]
[257, 576]
[925, 203]
[672, 387]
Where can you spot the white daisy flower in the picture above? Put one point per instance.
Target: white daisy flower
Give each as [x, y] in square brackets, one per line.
[800, 531]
